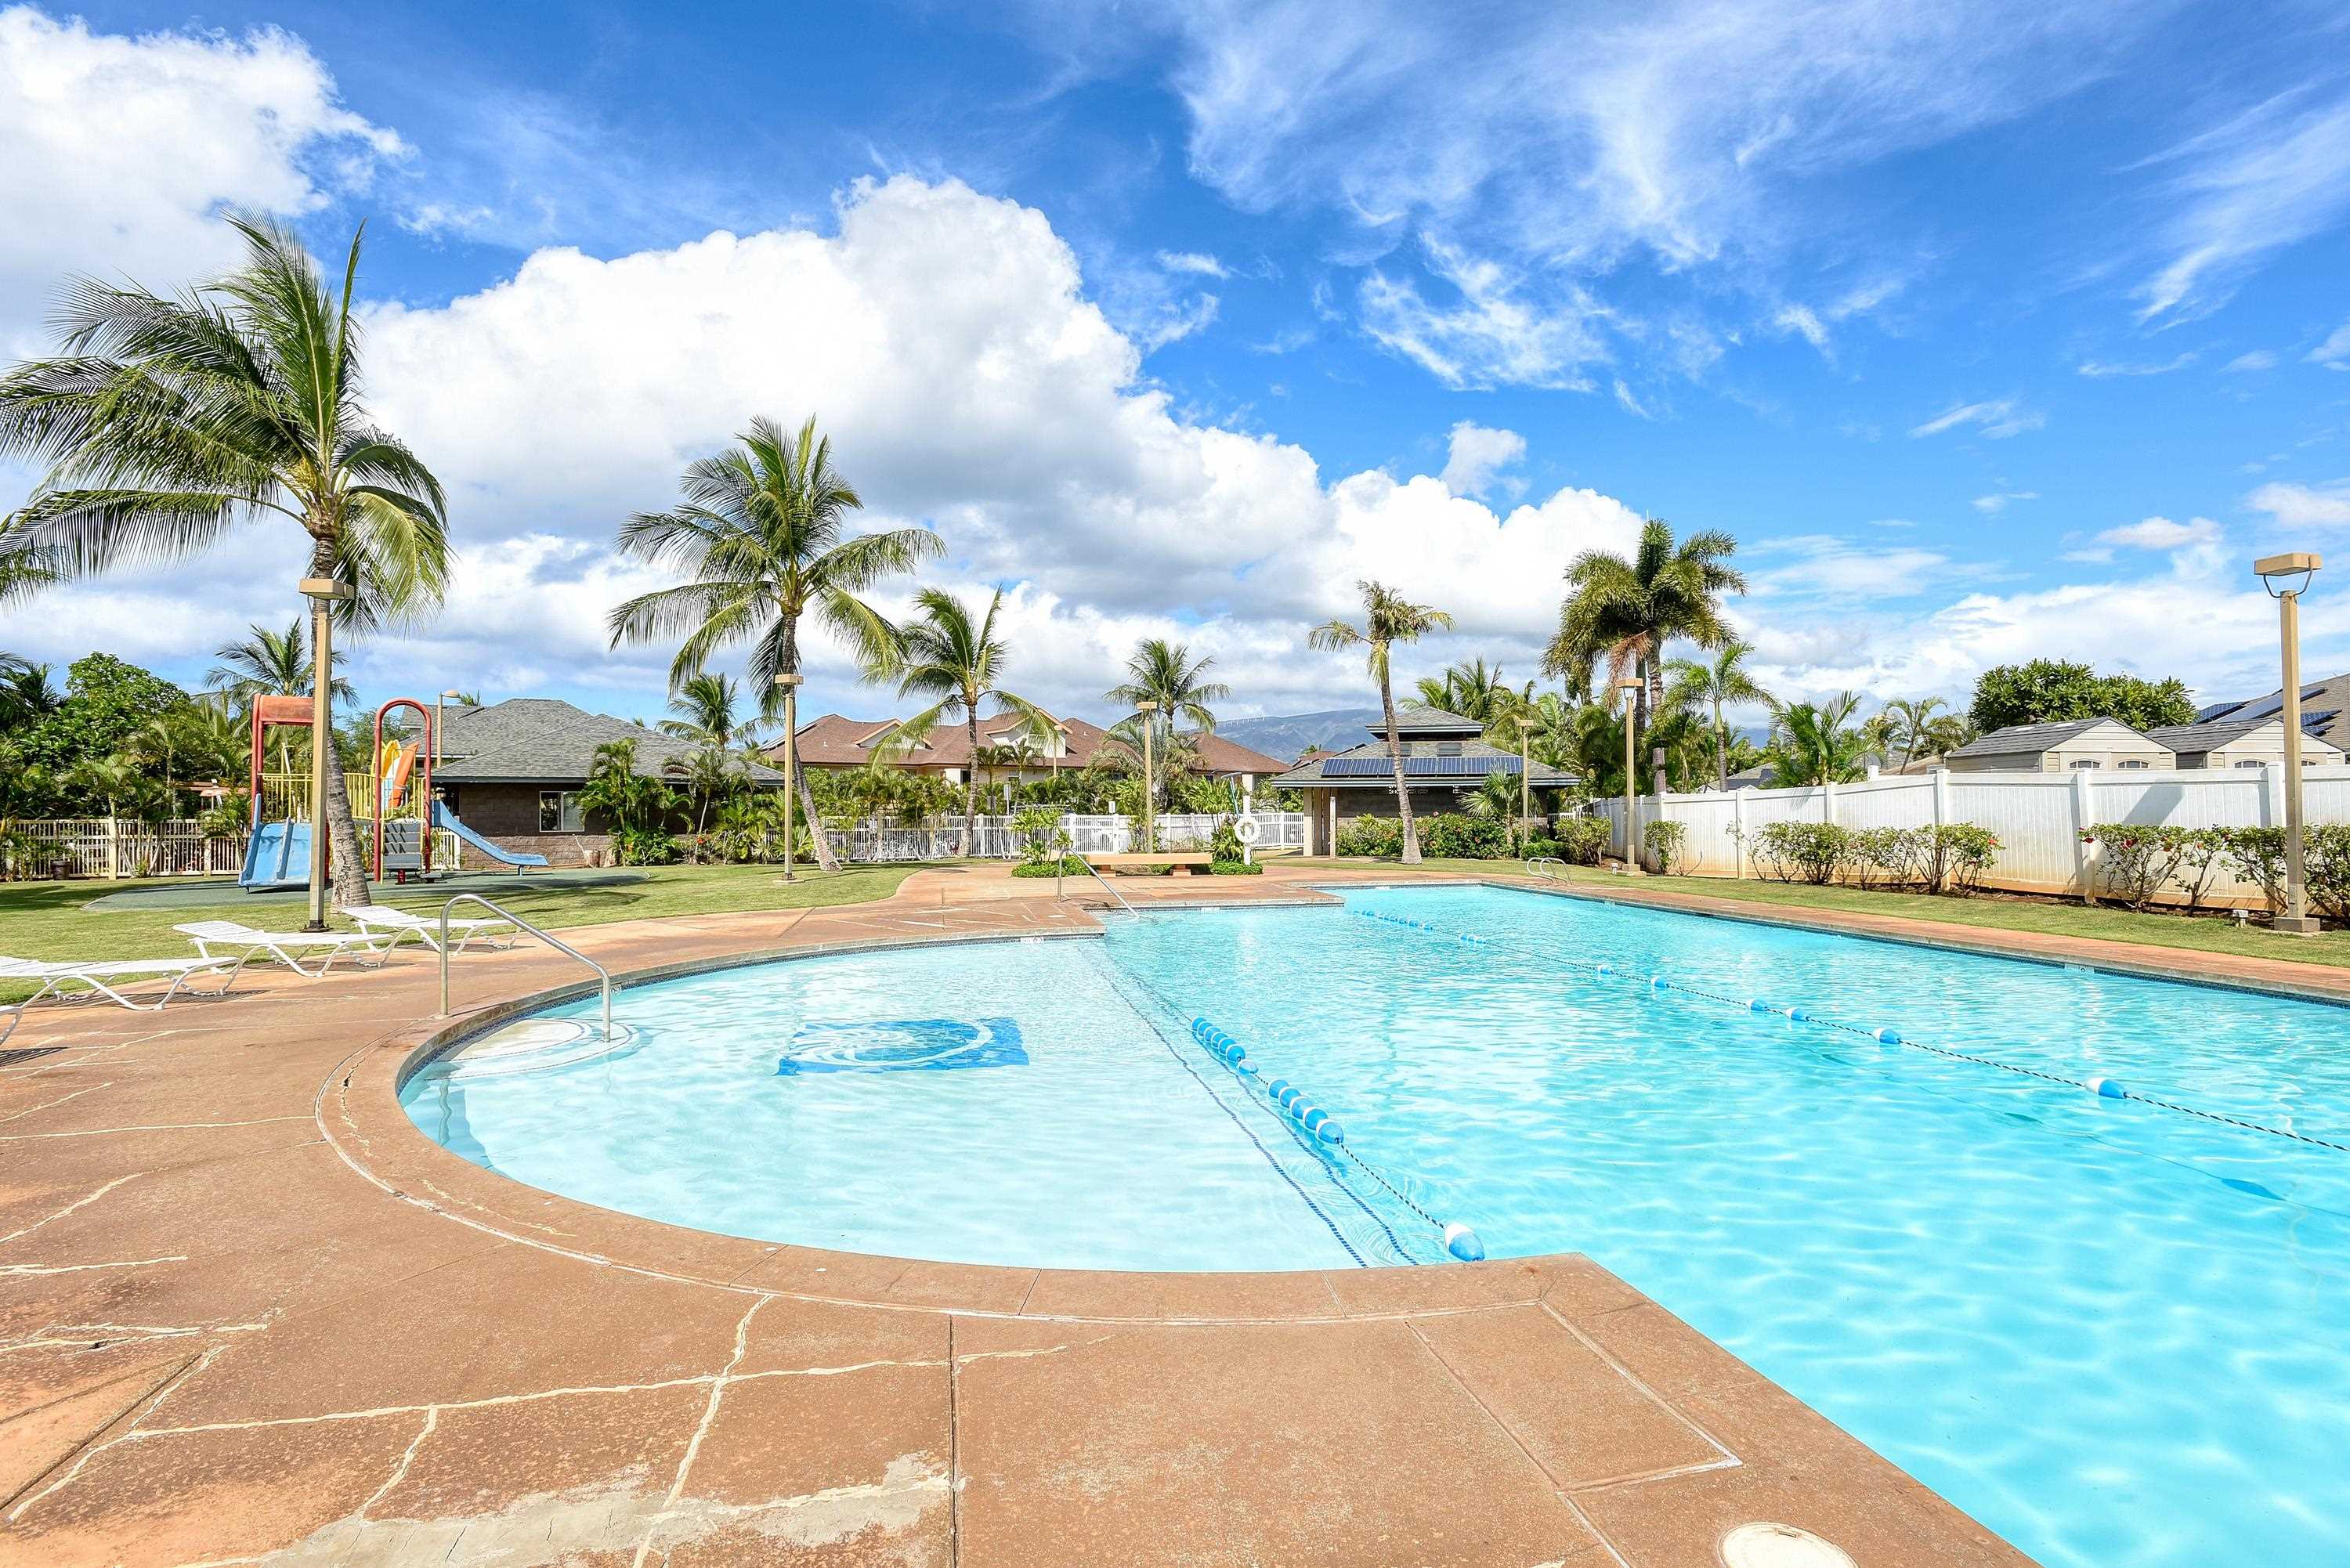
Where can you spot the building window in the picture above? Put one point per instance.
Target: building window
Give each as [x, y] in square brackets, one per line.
[2133, 764]
[2249, 763]
[1447, 748]
[558, 811]
[2084, 764]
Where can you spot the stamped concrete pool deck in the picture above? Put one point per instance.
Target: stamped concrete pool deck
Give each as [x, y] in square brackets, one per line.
[248, 1313]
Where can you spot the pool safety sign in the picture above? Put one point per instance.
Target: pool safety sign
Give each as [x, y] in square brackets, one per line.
[901, 1045]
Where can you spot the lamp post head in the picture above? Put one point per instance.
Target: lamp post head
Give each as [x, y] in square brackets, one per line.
[2301, 564]
[452, 694]
[1148, 705]
[328, 588]
[788, 681]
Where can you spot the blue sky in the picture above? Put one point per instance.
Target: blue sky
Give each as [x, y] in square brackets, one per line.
[2002, 330]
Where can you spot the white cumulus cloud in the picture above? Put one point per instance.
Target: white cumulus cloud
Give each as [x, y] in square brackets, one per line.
[2323, 505]
[1476, 454]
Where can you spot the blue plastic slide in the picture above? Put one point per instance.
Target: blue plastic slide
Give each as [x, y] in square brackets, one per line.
[277, 856]
[443, 817]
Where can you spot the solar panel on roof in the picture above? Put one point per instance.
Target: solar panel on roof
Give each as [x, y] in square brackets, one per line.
[1417, 767]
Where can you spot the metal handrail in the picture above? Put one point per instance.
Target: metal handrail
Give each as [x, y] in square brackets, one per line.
[557, 943]
[1107, 888]
[1535, 860]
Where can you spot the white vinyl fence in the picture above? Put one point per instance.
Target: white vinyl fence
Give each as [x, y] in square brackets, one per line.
[2038, 819]
[942, 838]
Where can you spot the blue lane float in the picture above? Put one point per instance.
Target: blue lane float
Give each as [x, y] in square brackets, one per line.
[1288, 1098]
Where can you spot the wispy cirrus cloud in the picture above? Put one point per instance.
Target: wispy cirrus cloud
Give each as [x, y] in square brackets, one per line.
[2271, 176]
[2097, 368]
[2318, 505]
[1997, 418]
[1495, 332]
[2001, 500]
[2335, 352]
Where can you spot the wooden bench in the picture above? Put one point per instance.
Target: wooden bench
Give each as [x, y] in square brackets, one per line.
[1189, 862]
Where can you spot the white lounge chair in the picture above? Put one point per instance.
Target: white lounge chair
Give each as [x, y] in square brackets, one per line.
[280, 945]
[94, 977]
[380, 920]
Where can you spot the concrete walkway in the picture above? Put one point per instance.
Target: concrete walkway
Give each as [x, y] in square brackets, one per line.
[248, 1313]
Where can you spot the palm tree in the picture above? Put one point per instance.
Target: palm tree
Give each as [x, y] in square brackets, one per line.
[1165, 672]
[1388, 618]
[704, 710]
[26, 695]
[23, 568]
[1723, 679]
[269, 663]
[1913, 721]
[1813, 746]
[1475, 691]
[711, 774]
[1623, 612]
[761, 537]
[943, 655]
[167, 422]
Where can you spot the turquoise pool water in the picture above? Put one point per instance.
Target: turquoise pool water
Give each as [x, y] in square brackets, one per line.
[2115, 1332]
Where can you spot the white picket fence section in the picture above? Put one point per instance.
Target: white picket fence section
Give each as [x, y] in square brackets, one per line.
[2037, 818]
[995, 839]
[116, 847]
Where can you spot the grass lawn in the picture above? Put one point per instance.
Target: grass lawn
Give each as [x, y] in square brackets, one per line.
[46, 919]
[2201, 934]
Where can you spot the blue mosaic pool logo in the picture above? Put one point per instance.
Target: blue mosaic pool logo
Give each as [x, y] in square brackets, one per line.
[902, 1045]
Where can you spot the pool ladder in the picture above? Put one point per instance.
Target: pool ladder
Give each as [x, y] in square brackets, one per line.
[1534, 865]
[602, 974]
[1107, 888]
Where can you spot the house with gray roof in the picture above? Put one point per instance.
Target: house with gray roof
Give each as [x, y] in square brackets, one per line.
[2058, 748]
[1445, 757]
[2324, 710]
[513, 771]
[2242, 743]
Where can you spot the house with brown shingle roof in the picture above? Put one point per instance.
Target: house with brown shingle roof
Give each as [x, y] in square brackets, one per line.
[836, 743]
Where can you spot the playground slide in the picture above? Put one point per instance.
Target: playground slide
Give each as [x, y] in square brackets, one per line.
[397, 763]
[443, 817]
[277, 856]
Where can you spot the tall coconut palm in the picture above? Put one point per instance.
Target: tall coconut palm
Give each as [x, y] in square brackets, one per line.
[1475, 691]
[270, 663]
[762, 538]
[1913, 720]
[1713, 683]
[1622, 612]
[1165, 672]
[1388, 618]
[167, 422]
[943, 655]
[702, 711]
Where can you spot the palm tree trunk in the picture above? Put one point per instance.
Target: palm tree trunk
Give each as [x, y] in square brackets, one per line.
[825, 858]
[971, 777]
[1652, 701]
[1403, 785]
[1720, 746]
[347, 872]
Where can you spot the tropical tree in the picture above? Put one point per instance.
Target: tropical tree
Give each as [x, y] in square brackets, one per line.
[631, 801]
[762, 538]
[166, 422]
[1165, 673]
[956, 663]
[1475, 691]
[269, 663]
[1815, 744]
[1620, 613]
[702, 709]
[711, 775]
[26, 697]
[1388, 618]
[1714, 683]
[1924, 728]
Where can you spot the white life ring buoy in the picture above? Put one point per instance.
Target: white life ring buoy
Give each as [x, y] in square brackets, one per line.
[1247, 830]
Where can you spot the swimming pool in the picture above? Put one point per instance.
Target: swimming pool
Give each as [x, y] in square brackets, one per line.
[2112, 1331]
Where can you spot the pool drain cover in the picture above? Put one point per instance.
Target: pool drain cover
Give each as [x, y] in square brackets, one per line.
[1764, 1544]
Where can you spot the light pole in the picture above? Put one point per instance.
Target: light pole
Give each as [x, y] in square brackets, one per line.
[1632, 807]
[1525, 780]
[790, 686]
[1147, 707]
[2277, 574]
[324, 593]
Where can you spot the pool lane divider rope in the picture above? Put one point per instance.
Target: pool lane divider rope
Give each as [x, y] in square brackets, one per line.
[1290, 1100]
[2103, 1088]
[1117, 979]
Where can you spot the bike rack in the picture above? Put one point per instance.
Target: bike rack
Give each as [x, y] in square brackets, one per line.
[560, 946]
